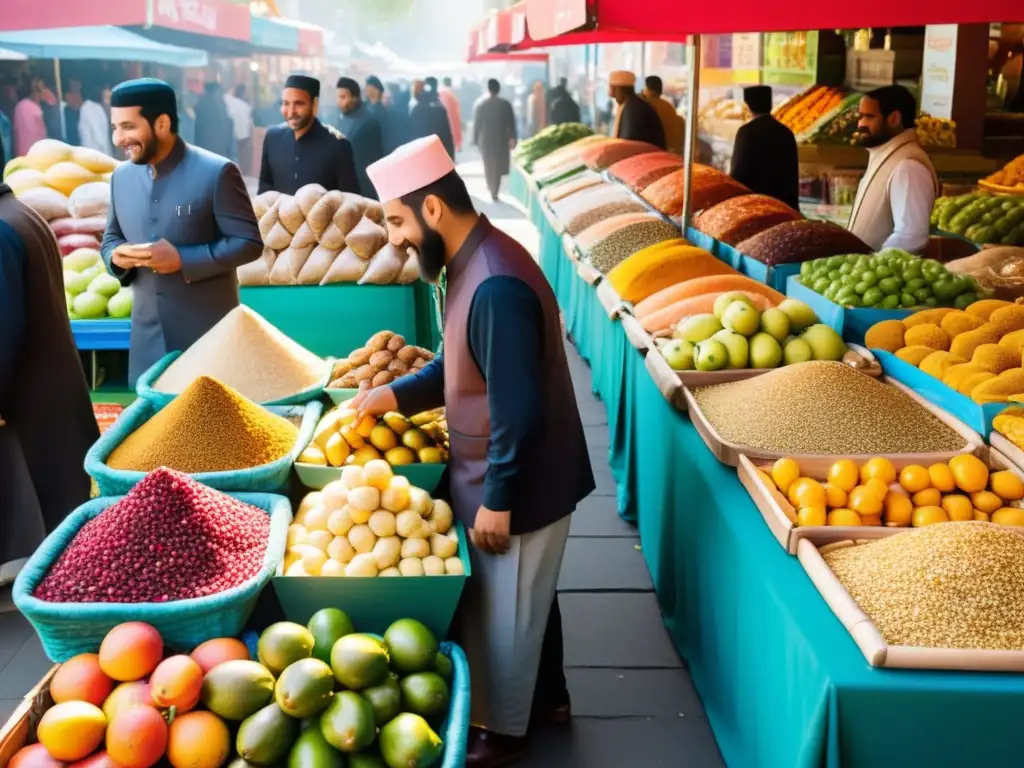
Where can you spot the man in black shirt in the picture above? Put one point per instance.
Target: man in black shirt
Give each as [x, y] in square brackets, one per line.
[636, 119]
[361, 129]
[764, 155]
[302, 150]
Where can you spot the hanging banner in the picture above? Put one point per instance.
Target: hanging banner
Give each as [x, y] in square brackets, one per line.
[746, 58]
[939, 70]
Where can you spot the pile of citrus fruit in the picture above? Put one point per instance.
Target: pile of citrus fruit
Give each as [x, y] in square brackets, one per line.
[877, 494]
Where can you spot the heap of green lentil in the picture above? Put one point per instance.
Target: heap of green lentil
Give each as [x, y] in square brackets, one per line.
[623, 243]
[208, 428]
[950, 585]
[581, 221]
[822, 408]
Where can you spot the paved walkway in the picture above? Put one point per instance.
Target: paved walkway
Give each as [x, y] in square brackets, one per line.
[633, 703]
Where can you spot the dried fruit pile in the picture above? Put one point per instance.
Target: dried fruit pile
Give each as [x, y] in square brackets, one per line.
[384, 358]
[170, 538]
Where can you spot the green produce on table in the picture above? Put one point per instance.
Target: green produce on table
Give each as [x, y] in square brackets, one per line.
[982, 218]
[548, 140]
[890, 279]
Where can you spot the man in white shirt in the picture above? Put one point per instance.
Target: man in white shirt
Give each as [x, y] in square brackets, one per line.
[241, 116]
[94, 129]
[895, 197]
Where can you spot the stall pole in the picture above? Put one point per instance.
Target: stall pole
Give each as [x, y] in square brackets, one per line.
[60, 100]
[690, 147]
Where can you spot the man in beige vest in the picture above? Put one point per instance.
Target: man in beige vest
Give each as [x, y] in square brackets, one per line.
[671, 122]
[895, 197]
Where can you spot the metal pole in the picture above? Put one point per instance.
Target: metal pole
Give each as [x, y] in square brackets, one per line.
[690, 147]
[60, 100]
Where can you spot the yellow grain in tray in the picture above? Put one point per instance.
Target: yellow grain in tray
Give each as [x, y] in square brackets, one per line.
[957, 321]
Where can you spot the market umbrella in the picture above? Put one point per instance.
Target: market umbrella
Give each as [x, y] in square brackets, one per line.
[9, 55]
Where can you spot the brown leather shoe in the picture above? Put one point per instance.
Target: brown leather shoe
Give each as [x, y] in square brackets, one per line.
[493, 750]
[552, 716]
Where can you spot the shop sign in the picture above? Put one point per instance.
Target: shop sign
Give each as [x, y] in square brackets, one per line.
[204, 17]
[717, 51]
[939, 70]
[746, 58]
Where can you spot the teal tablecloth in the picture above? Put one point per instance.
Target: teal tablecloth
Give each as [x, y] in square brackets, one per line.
[519, 186]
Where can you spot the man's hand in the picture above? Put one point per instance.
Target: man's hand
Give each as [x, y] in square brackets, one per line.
[490, 531]
[126, 256]
[164, 258]
[375, 402]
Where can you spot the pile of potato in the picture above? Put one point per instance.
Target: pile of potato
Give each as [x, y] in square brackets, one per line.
[384, 358]
[342, 438]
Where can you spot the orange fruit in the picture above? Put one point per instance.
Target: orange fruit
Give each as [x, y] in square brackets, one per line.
[214, 652]
[865, 501]
[915, 478]
[844, 517]
[942, 477]
[875, 520]
[898, 509]
[785, 472]
[969, 472]
[880, 468]
[198, 740]
[929, 497]
[834, 495]
[1008, 516]
[81, 679]
[131, 651]
[843, 475]
[176, 682]
[811, 516]
[981, 517]
[1006, 485]
[958, 507]
[929, 516]
[878, 488]
[986, 501]
[126, 696]
[72, 730]
[806, 492]
[137, 737]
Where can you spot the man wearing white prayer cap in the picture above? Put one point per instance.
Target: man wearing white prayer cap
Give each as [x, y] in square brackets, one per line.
[635, 119]
[518, 464]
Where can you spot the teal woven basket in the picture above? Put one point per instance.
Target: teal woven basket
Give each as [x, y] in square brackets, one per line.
[68, 629]
[269, 478]
[144, 386]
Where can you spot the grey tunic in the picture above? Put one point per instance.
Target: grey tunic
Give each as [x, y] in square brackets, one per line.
[494, 127]
[199, 203]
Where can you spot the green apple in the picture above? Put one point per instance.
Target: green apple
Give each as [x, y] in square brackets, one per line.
[741, 318]
[697, 328]
[775, 323]
[765, 351]
[736, 345]
[678, 354]
[796, 351]
[800, 315]
[825, 343]
[725, 299]
[711, 355]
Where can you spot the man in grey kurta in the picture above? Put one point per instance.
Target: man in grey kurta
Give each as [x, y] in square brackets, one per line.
[180, 224]
[494, 132]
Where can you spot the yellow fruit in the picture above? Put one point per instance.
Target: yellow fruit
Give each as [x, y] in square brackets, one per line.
[312, 455]
[362, 455]
[898, 509]
[400, 456]
[877, 487]
[986, 501]
[1008, 516]
[431, 455]
[929, 497]
[1006, 485]
[874, 520]
[383, 439]
[969, 472]
[929, 516]
[865, 501]
[981, 517]
[958, 507]
[844, 516]
[353, 438]
[834, 496]
[336, 450]
[66, 177]
[811, 516]
[784, 473]
[880, 468]
[914, 478]
[942, 477]
[766, 479]
[843, 475]
[806, 492]
[72, 730]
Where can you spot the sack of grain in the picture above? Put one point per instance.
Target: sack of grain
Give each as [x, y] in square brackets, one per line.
[304, 238]
[263, 203]
[92, 199]
[347, 268]
[70, 243]
[349, 213]
[308, 196]
[48, 203]
[320, 217]
[385, 267]
[94, 225]
[333, 238]
[411, 270]
[366, 238]
[289, 213]
[288, 265]
[317, 265]
[257, 272]
[374, 212]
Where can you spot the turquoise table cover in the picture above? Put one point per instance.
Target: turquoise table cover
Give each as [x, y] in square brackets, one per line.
[518, 186]
[782, 682]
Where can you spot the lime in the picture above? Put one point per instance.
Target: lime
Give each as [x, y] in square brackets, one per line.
[870, 277]
[931, 301]
[945, 290]
[873, 296]
[908, 301]
[846, 269]
[883, 270]
[914, 283]
[855, 301]
[806, 268]
[820, 284]
[965, 300]
[892, 301]
[889, 285]
[834, 274]
[922, 293]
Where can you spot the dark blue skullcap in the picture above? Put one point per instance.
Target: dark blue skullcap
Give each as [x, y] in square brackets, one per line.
[375, 82]
[154, 96]
[304, 83]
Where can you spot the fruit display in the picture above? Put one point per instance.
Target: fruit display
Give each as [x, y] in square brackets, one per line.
[341, 438]
[798, 241]
[317, 694]
[889, 279]
[829, 408]
[709, 188]
[976, 351]
[90, 291]
[840, 130]
[169, 539]
[318, 237]
[998, 270]
[736, 335]
[724, 109]
[565, 160]
[944, 586]
[876, 493]
[662, 265]
[369, 523]
[1010, 175]
[662, 310]
[383, 359]
[936, 131]
[640, 171]
[547, 141]
[982, 217]
[805, 109]
[1010, 423]
[739, 218]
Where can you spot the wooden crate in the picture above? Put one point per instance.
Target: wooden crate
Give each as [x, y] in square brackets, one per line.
[20, 728]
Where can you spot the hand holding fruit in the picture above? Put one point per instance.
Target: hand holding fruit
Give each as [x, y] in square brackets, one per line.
[163, 258]
[490, 531]
[375, 402]
[126, 256]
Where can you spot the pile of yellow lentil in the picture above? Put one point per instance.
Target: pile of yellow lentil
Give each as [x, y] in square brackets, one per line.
[953, 585]
[208, 428]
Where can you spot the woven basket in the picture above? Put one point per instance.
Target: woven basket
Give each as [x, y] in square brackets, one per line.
[268, 478]
[68, 629]
[144, 386]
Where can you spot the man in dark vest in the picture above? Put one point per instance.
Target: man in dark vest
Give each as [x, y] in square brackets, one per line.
[519, 462]
[764, 155]
[46, 419]
[635, 119]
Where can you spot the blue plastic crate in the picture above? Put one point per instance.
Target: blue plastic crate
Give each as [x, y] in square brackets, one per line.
[67, 629]
[144, 386]
[976, 416]
[851, 322]
[708, 243]
[105, 334]
[775, 277]
[269, 478]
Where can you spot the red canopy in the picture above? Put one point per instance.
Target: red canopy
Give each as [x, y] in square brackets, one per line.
[485, 44]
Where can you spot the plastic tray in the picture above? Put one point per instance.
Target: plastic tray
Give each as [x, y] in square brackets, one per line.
[851, 322]
[144, 386]
[709, 244]
[975, 415]
[425, 476]
[340, 395]
[876, 650]
[375, 603]
[67, 629]
[587, 273]
[729, 453]
[610, 301]
[268, 478]
[775, 277]
[109, 333]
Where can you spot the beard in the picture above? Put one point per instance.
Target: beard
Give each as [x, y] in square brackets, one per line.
[872, 140]
[430, 253]
[149, 149]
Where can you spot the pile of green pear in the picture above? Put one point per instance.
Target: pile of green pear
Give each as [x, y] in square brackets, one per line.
[738, 336]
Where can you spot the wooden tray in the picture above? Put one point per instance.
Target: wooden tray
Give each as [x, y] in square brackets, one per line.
[20, 728]
[613, 304]
[587, 273]
[876, 650]
[729, 453]
[636, 334]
